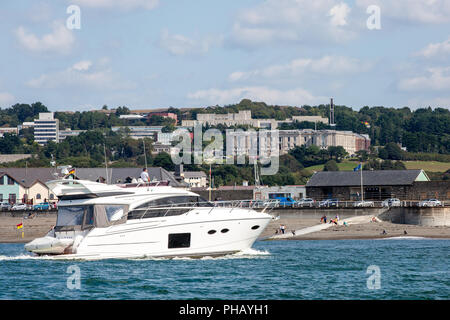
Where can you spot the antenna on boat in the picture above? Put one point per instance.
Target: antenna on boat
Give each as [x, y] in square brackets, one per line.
[106, 163]
[145, 157]
[145, 153]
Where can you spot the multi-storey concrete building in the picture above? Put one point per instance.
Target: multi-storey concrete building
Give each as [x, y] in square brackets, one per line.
[310, 119]
[350, 141]
[4, 130]
[63, 134]
[165, 137]
[141, 132]
[46, 128]
[254, 143]
[243, 117]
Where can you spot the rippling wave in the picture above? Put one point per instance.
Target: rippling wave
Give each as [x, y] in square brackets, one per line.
[326, 269]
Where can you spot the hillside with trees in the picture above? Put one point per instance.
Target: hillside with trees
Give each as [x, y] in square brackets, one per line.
[424, 132]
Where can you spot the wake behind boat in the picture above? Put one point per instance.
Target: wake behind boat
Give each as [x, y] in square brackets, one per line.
[98, 221]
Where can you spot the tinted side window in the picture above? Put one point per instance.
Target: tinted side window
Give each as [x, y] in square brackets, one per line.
[179, 240]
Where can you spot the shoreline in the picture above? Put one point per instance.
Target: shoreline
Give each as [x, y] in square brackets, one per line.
[389, 237]
[357, 228]
[306, 228]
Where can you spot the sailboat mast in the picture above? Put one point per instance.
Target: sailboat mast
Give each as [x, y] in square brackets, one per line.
[145, 153]
[362, 189]
[106, 163]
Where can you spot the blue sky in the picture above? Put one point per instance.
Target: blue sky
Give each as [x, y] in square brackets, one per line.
[161, 53]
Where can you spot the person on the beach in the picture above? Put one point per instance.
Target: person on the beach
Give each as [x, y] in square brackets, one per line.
[384, 232]
[282, 228]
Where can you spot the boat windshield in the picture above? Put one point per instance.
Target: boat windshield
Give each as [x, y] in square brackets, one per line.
[88, 216]
[70, 216]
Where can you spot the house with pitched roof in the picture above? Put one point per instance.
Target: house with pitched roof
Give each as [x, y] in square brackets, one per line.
[26, 185]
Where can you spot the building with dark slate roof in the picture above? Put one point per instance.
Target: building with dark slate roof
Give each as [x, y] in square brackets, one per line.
[377, 185]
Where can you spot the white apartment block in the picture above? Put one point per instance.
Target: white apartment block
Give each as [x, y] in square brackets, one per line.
[248, 143]
[243, 117]
[46, 128]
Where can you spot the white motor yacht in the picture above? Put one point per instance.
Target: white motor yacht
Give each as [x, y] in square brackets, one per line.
[98, 221]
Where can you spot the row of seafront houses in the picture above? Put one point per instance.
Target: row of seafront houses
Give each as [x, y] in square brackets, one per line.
[27, 185]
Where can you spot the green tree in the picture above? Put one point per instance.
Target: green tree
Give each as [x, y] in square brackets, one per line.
[331, 166]
[165, 161]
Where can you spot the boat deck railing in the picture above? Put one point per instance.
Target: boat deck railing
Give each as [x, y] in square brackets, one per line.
[180, 208]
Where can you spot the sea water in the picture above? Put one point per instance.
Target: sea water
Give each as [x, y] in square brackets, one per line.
[327, 269]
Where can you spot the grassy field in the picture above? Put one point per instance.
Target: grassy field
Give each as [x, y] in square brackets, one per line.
[343, 166]
[432, 166]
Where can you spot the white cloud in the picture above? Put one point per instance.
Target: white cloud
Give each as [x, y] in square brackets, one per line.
[437, 79]
[339, 14]
[60, 40]
[180, 45]
[439, 49]
[82, 65]
[415, 11]
[296, 96]
[292, 21]
[302, 67]
[6, 99]
[80, 75]
[424, 102]
[121, 4]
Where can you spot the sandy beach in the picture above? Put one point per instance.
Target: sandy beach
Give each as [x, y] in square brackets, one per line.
[363, 230]
[40, 225]
[32, 228]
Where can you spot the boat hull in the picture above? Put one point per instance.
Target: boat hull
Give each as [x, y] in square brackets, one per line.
[202, 235]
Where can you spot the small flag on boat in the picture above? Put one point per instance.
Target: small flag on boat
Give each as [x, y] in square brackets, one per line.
[19, 226]
[357, 168]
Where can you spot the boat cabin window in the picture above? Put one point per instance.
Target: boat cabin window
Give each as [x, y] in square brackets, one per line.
[168, 206]
[179, 201]
[75, 216]
[114, 212]
[88, 216]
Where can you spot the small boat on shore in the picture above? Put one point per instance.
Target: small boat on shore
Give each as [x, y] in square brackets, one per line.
[98, 221]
